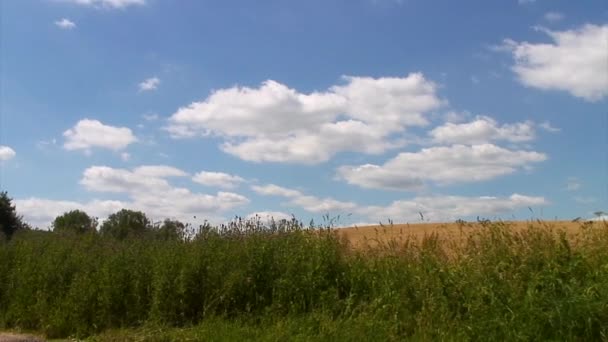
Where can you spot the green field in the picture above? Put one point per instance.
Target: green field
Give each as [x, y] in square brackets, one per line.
[285, 282]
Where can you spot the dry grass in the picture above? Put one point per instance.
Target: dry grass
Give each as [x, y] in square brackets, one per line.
[371, 236]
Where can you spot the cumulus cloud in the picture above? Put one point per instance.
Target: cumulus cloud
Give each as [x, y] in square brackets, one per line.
[267, 216]
[87, 134]
[217, 179]
[435, 208]
[450, 208]
[456, 117]
[6, 153]
[443, 165]
[546, 125]
[149, 190]
[110, 4]
[482, 130]
[279, 124]
[575, 62]
[151, 83]
[309, 203]
[41, 212]
[65, 24]
[275, 190]
[140, 179]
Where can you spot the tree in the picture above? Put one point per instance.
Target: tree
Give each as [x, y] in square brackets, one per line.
[10, 222]
[126, 224]
[75, 221]
[170, 230]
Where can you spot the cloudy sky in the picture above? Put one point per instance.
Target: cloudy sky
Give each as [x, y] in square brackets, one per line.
[367, 109]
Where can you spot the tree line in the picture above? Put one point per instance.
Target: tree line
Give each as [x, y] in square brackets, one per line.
[121, 225]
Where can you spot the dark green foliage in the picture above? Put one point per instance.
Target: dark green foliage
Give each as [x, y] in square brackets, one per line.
[244, 281]
[126, 224]
[10, 222]
[75, 221]
[170, 230]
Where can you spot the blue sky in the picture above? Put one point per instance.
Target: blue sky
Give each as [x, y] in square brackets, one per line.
[367, 109]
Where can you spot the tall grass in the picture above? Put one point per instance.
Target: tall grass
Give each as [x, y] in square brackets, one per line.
[263, 282]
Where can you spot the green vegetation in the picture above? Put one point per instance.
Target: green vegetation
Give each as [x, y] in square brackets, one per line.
[74, 222]
[248, 281]
[126, 224]
[10, 222]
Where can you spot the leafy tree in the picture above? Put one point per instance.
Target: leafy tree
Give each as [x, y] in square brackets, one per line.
[126, 224]
[170, 230]
[10, 222]
[75, 221]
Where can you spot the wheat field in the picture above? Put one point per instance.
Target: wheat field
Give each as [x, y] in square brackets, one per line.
[455, 232]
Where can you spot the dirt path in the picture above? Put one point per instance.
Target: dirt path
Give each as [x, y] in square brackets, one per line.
[10, 337]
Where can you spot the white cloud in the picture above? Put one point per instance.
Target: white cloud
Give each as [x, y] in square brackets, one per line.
[6, 153]
[482, 130]
[450, 208]
[161, 171]
[41, 212]
[435, 208]
[87, 134]
[546, 125]
[575, 62]
[176, 203]
[603, 218]
[391, 102]
[65, 24]
[150, 191]
[112, 4]
[573, 184]
[150, 117]
[553, 16]
[279, 124]
[44, 144]
[309, 203]
[443, 165]
[456, 117]
[217, 179]
[267, 216]
[125, 156]
[151, 83]
[141, 179]
[275, 190]
[315, 147]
